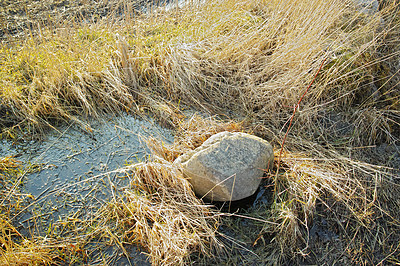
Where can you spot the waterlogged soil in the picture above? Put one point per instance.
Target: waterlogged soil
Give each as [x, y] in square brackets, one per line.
[71, 174]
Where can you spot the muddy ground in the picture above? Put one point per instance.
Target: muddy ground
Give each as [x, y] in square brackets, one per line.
[72, 165]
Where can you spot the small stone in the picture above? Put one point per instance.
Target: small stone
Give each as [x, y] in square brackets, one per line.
[228, 166]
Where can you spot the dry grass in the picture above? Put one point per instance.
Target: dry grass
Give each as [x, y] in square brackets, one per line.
[25, 253]
[356, 199]
[253, 58]
[350, 194]
[15, 249]
[8, 166]
[247, 59]
[161, 213]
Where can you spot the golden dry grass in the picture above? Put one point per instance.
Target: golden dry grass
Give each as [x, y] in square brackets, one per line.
[161, 213]
[24, 253]
[251, 57]
[14, 248]
[246, 60]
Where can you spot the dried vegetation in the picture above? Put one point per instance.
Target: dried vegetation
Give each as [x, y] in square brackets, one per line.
[249, 61]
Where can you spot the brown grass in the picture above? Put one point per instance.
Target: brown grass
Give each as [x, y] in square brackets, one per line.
[246, 60]
[160, 212]
[254, 60]
[349, 192]
[15, 249]
[25, 253]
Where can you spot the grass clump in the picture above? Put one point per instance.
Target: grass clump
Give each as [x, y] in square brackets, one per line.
[9, 167]
[26, 252]
[160, 212]
[159, 209]
[306, 186]
[58, 78]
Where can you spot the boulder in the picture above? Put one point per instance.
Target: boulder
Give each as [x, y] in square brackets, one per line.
[368, 7]
[228, 166]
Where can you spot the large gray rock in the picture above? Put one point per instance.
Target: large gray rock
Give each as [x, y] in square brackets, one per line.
[228, 166]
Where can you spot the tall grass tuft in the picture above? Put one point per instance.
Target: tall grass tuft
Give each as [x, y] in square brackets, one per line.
[160, 212]
[159, 209]
[25, 253]
[251, 57]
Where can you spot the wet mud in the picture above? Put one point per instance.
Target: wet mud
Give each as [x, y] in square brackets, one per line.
[71, 174]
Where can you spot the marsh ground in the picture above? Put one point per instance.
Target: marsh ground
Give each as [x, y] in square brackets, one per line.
[332, 197]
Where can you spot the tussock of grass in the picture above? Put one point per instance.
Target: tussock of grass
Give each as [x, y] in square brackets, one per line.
[252, 57]
[349, 196]
[14, 248]
[300, 187]
[160, 212]
[60, 77]
[8, 166]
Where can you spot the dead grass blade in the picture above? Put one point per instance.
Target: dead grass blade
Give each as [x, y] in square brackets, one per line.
[160, 212]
